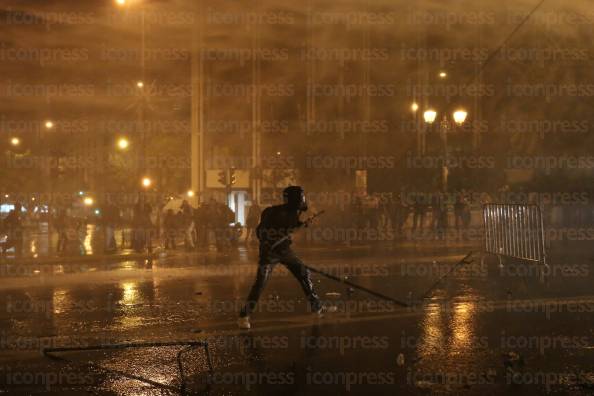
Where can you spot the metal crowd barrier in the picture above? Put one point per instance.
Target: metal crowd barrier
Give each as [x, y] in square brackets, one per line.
[515, 230]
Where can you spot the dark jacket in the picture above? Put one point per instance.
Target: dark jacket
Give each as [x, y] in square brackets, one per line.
[277, 222]
[12, 225]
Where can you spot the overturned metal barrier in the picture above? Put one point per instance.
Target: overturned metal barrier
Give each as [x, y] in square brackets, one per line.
[515, 230]
[50, 353]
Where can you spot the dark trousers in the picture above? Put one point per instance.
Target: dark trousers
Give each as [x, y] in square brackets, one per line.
[201, 235]
[266, 265]
[142, 240]
[170, 238]
[222, 238]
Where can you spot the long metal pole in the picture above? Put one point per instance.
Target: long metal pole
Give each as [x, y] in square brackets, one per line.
[347, 282]
[197, 111]
[463, 261]
[142, 91]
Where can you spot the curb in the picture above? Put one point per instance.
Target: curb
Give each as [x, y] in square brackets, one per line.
[78, 259]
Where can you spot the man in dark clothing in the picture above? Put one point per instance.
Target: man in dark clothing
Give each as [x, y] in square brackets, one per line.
[252, 221]
[110, 218]
[398, 214]
[223, 216]
[440, 214]
[276, 224]
[187, 222]
[14, 230]
[142, 226]
[170, 225]
[461, 213]
[60, 223]
[210, 216]
[200, 222]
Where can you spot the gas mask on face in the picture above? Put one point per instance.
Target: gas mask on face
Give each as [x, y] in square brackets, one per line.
[294, 197]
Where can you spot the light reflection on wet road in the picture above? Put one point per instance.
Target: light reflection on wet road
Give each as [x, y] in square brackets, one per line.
[458, 330]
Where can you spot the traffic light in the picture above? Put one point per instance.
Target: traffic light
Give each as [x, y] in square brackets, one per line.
[232, 177]
[223, 177]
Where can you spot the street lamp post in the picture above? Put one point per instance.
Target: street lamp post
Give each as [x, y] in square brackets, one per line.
[49, 125]
[459, 117]
[429, 118]
[414, 107]
[140, 85]
[444, 127]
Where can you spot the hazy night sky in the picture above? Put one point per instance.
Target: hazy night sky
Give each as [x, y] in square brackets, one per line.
[80, 59]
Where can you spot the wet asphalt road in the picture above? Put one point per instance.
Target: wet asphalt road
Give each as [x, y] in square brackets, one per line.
[482, 330]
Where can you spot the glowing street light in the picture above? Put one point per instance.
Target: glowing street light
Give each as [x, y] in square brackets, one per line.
[414, 107]
[123, 143]
[49, 124]
[429, 116]
[460, 116]
[121, 2]
[190, 193]
[443, 74]
[140, 84]
[15, 141]
[146, 182]
[88, 201]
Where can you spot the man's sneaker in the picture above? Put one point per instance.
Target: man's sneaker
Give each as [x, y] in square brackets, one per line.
[244, 322]
[320, 312]
[324, 310]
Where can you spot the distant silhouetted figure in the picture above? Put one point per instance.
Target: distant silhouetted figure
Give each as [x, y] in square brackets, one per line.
[187, 222]
[13, 228]
[110, 217]
[439, 208]
[461, 213]
[201, 225]
[252, 220]
[60, 223]
[399, 212]
[170, 229]
[223, 216]
[142, 226]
